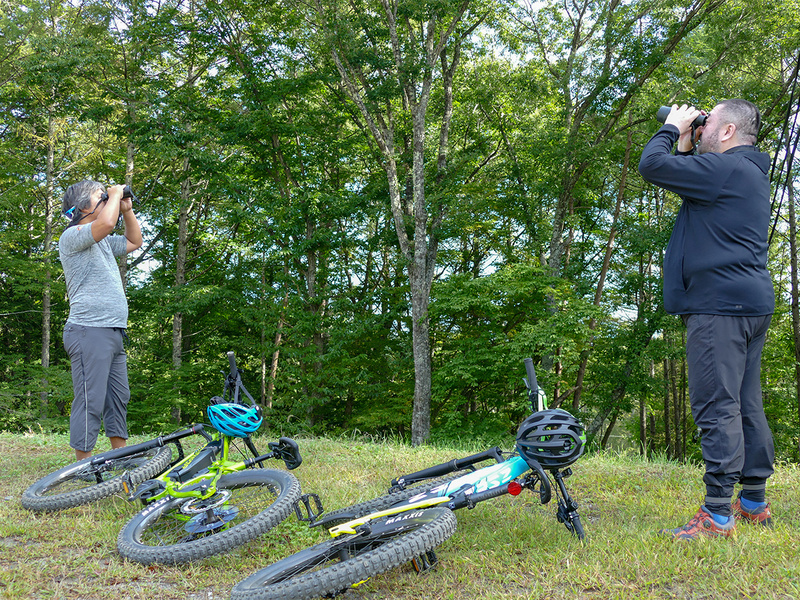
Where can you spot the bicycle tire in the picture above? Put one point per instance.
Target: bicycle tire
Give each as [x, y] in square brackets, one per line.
[383, 502]
[80, 483]
[319, 570]
[164, 533]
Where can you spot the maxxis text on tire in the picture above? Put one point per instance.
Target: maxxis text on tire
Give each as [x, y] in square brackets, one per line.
[318, 570]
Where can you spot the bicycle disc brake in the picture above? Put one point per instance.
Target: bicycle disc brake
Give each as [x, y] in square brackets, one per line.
[209, 514]
[210, 521]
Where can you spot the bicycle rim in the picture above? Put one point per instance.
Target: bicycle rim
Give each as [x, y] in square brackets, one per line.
[179, 530]
[348, 560]
[82, 483]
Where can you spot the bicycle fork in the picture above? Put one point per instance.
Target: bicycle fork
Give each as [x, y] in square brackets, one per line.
[567, 511]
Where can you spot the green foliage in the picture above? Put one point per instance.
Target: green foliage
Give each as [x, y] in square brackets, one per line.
[231, 118]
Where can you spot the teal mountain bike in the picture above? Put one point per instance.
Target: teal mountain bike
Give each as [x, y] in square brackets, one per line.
[201, 504]
[417, 515]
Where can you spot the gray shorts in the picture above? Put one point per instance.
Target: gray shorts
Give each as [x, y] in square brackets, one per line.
[99, 383]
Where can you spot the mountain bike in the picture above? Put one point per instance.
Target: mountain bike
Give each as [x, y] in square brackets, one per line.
[416, 515]
[203, 503]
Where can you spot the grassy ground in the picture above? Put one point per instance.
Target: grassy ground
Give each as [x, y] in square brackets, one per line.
[503, 549]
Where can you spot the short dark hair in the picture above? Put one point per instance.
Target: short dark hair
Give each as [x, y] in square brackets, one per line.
[78, 196]
[745, 116]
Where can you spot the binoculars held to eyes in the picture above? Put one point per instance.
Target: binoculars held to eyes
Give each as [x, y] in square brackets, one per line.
[126, 193]
[662, 113]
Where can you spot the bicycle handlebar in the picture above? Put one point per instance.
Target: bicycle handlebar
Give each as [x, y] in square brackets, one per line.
[158, 442]
[532, 384]
[470, 500]
[458, 464]
[232, 361]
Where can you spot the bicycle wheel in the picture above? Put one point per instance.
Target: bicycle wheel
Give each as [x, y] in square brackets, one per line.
[82, 483]
[348, 560]
[179, 530]
[342, 515]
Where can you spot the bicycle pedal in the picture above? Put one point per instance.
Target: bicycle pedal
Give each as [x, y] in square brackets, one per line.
[312, 505]
[147, 490]
[287, 450]
[425, 562]
[127, 485]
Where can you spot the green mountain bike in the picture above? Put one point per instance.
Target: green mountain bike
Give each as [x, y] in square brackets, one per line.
[204, 502]
[417, 514]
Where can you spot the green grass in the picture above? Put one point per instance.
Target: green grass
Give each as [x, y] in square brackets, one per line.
[505, 548]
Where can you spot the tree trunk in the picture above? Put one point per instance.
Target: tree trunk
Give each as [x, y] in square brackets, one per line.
[273, 370]
[609, 430]
[430, 43]
[795, 295]
[676, 429]
[667, 420]
[49, 204]
[180, 275]
[643, 416]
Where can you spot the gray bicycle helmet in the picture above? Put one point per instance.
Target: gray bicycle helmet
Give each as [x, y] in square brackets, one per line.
[234, 420]
[552, 437]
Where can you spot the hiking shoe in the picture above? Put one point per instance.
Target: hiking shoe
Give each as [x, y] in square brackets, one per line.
[701, 525]
[760, 516]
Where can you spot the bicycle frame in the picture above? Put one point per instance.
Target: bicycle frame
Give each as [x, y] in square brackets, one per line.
[467, 490]
[508, 476]
[197, 475]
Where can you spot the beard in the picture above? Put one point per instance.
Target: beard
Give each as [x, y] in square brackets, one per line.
[708, 142]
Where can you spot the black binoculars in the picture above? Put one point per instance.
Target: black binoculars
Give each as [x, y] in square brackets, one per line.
[662, 113]
[126, 193]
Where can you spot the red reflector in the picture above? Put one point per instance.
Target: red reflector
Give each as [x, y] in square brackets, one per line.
[514, 488]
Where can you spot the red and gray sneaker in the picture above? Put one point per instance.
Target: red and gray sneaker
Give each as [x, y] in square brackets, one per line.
[701, 525]
[760, 516]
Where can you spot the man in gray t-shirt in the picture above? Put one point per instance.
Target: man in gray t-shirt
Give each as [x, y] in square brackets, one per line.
[98, 311]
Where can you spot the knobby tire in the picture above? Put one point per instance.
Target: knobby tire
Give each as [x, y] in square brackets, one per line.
[78, 484]
[345, 561]
[164, 533]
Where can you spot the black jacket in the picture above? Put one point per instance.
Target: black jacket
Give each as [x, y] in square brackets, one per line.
[716, 259]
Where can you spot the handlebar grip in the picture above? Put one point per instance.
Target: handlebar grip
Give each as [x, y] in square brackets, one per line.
[232, 361]
[488, 494]
[533, 385]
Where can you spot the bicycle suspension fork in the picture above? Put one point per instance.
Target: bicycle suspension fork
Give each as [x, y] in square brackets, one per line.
[567, 507]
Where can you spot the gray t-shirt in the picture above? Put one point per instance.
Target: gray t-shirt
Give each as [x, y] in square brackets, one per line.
[94, 286]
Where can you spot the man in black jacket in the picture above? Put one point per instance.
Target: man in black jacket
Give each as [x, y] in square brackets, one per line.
[715, 277]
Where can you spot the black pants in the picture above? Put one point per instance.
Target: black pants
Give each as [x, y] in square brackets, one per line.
[724, 359]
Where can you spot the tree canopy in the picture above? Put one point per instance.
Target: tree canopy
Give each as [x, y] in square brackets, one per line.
[383, 206]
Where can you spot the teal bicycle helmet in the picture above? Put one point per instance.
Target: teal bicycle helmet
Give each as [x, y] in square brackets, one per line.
[553, 438]
[235, 420]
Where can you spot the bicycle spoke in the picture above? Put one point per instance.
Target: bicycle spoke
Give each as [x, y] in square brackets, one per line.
[178, 527]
